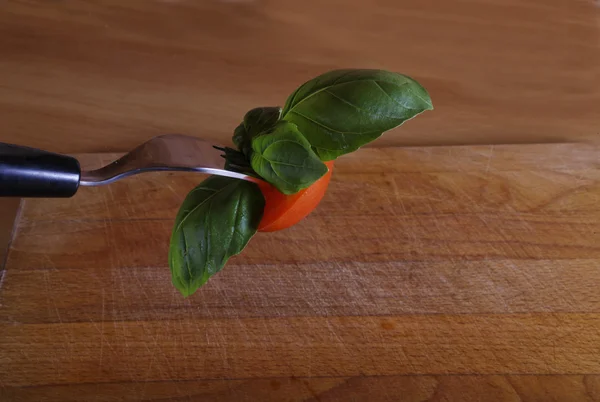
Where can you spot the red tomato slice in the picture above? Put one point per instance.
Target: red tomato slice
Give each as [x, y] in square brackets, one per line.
[283, 211]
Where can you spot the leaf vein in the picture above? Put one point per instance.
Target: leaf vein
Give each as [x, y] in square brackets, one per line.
[234, 227]
[203, 202]
[335, 82]
[359, 108]
[187, 262]
[392, 99]
[331, 129]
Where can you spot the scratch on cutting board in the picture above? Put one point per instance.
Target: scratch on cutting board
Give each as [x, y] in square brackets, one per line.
[146, 376]
[489, 160]
[101, 334]
[125, 337]
[334, 333]
[443, 241]
[51, 303]
[152, 359]
[47, 259]
[2, 276]
[157, 348]
[178, 195]
[397, 195]
[100, 330]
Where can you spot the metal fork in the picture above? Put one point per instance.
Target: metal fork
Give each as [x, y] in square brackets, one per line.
[29, 172]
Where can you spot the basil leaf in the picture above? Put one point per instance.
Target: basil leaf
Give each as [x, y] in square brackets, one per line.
[342, 110]
[239, 136]
[256, 121]
[260, 119]
[284, 158]
[215, 221]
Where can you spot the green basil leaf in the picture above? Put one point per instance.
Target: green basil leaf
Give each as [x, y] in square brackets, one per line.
[261, 119]
[284, 158]
[215, 221]
[240, 136]
[342, 110]
[256, 121]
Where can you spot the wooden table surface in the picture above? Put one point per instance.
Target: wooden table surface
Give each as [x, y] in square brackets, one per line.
[442, 274]
[105, 75]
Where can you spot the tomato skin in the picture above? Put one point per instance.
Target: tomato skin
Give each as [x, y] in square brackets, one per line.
[283, 211]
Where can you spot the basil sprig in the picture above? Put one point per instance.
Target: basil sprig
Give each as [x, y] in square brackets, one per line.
[326, 117]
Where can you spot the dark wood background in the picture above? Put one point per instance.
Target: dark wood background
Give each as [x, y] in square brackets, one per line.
[91, 76]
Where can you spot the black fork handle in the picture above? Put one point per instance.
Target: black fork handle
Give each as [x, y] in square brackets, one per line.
[30, 172]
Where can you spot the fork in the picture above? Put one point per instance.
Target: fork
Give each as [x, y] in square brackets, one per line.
[30, 172]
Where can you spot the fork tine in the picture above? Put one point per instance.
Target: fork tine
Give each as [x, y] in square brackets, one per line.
[173, 152]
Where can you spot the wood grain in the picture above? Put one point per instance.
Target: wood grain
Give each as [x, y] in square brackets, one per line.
[105, 75]
[492, 388]
[448, 273]
[8, 213]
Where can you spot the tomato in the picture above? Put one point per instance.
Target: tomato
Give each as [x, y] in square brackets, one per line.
[283, 211]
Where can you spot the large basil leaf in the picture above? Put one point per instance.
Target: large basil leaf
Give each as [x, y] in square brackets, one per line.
[215, 221]
[342, 110]
[284, 158]
[255, 122]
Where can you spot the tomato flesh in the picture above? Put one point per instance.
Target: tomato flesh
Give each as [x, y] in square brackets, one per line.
[283, 211]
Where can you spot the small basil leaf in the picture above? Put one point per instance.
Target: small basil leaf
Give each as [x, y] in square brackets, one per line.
[284, 158]
[215, 221]
[261, 119]
[239, 136]
[256, 121]
[342, 110]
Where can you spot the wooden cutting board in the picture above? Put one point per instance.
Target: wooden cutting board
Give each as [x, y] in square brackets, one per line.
[450, 273]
